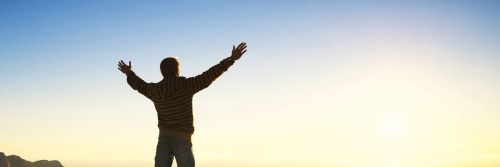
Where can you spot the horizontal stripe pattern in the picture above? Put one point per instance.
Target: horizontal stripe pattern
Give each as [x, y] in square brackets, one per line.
[173, 96]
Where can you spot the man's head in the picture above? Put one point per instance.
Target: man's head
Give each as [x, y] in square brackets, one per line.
[169, 67]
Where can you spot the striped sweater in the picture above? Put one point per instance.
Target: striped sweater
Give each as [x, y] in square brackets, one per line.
[173, 96]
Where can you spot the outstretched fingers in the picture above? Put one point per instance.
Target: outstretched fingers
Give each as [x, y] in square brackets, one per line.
[242, 46]
[124, 68]
[122, 64]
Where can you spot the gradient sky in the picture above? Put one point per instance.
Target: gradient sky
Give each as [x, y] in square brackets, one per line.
[324, 83]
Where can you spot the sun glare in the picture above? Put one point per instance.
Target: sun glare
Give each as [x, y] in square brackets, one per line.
[392, 124]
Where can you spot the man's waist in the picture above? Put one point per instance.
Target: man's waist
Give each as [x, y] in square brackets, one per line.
[174, 133]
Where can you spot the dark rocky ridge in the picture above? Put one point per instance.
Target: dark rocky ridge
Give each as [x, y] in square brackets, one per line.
[16, 161]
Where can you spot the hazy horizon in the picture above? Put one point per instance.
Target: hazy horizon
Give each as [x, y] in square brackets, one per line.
[324, 83]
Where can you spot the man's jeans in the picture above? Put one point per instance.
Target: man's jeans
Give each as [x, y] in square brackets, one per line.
[168, 147]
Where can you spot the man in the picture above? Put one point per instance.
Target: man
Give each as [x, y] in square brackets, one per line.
[172, 98]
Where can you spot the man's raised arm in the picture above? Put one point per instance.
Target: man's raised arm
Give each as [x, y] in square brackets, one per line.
[147, 89]
[199, 82]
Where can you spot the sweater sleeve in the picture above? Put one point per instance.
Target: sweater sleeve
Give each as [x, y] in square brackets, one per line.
[150, 90]
[202, 81]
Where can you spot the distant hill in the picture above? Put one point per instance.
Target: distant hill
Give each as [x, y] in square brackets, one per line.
[16, 161]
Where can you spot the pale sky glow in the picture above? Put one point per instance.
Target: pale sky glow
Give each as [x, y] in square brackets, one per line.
[324, 83]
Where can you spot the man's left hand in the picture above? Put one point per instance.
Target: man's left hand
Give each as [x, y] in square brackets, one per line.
[124, 68]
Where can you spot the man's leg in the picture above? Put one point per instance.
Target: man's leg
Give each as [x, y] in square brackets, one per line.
[183, 152]
[164, 155]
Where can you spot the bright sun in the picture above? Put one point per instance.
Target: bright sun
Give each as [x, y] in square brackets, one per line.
[392, 124]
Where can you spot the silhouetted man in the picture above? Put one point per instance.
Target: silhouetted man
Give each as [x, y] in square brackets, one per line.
[172, 98]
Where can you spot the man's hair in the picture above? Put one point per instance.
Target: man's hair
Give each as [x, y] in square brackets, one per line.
[169, 67]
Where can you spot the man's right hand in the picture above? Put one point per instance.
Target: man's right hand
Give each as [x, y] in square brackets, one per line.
[124, 68]
[239, 51]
